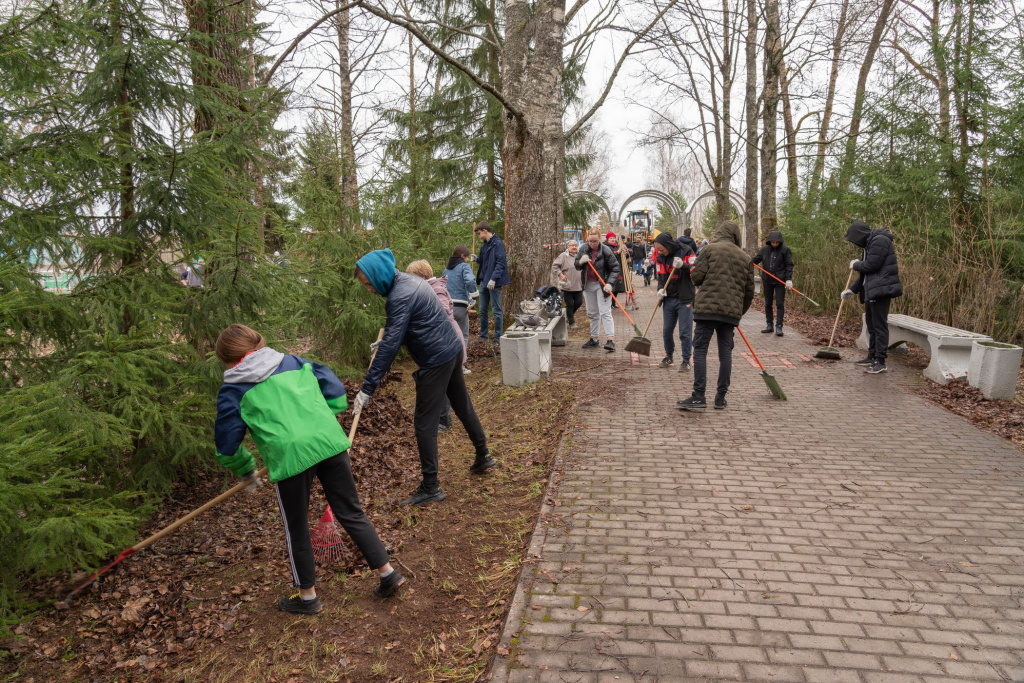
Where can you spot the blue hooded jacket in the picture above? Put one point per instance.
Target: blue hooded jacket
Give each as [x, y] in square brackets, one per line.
[416, 318]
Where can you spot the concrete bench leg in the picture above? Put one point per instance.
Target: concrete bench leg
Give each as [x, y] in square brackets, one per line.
[520, 358]
[560, 333]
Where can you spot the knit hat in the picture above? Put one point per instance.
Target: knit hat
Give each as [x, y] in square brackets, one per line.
[610, 237]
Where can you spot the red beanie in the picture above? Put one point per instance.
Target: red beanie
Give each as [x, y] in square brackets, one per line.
[610, 237]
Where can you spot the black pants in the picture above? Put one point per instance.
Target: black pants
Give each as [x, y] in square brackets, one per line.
[876, 316]
[335, 475]
[573, 301]
[777, 292]
[432, 385]
[701, 342]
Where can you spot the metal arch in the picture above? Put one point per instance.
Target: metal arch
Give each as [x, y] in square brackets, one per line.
[600, 200]
[737, 201]
[657, 195]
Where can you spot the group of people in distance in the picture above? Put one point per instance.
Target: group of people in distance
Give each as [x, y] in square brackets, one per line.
[290, 405]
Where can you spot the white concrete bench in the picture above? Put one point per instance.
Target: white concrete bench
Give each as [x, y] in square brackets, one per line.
[554, 333]
[949, 349]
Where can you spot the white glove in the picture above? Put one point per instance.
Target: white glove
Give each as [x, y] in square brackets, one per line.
[474, 295]
[789, 284]
[584, 260]
[607, 289]
[473, 258]
[375, 345]
[254, 482]
[662, 294]
[677, 263]
[853, 263]
[490, 284]
[362, 399]
[847, 293]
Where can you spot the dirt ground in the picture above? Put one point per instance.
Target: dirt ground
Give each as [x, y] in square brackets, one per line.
[200, 606]
[1005, 417]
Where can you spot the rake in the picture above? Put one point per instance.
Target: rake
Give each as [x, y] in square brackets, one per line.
[639, 338]
[769, 379]
[642, 344]
[327, 541]
[794, 288]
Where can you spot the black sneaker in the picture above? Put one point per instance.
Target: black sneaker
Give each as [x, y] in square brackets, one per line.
[609, 345]
[665, 362]
[778, 331]
[720, 403]
[389, 585]
[768, 330]
[592, 344]
[876, 368]
[425, 495]
[684, 366]
[865, 361]
[481, 465]
[693, 403]
[296, 605]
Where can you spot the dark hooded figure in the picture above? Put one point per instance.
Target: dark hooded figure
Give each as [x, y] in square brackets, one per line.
[878, 284]
[676, 294]
[777, 259]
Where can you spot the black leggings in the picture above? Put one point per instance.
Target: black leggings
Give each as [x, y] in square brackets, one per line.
[335, 475]
[432, 385]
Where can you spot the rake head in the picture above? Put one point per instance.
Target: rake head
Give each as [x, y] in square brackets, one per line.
[328, 544]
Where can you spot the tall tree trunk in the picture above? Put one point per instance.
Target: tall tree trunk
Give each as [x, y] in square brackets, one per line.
[493, 122]
[723, 202]
[793, 184]
[826, 117]
[750, 208]
[534, 145]
[349, 180]
[769, 143]
[846, 170]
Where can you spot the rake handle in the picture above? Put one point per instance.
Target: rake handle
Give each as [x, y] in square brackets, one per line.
[840, 311]
[604, 284]
[751, 348]
[657, 304]
[355, 418]
[793, 288]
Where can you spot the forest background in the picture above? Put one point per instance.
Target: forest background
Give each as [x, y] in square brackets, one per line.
[138, 136]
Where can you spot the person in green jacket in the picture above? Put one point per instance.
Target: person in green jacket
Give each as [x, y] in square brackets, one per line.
[289, 405]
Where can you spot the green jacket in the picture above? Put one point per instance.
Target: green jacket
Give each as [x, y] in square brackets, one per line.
[724, 277]
[289, 404]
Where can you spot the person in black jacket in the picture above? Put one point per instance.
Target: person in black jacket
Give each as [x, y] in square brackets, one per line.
[676, 294]
[416, 318]
[777, 259]
[597, 296]
[878, 284]
[688, 240]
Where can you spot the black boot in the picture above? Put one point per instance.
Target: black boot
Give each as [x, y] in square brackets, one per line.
[778, 330]
[769, 328]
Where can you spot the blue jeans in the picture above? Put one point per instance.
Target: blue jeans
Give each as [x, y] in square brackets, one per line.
[674, 312]
[491, 298]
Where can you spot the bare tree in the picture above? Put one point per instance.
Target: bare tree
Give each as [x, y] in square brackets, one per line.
[751, 213]
[770, 115]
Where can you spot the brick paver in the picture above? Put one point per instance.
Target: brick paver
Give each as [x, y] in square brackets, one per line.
[854, 532]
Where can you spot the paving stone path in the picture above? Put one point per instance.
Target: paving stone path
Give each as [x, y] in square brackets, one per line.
[855, 532]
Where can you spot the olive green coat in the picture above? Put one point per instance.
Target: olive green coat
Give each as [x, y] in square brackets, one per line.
[724, 277]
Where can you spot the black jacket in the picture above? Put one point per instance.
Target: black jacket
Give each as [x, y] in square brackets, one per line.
[606, 263]
[680, 286]
[777, 261]
[688, 241]
[879, 273]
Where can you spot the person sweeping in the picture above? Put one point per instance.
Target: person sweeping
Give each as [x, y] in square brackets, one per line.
[676, 293]
[776, 258]
[289, 405]
[878, 284]
[602, 261]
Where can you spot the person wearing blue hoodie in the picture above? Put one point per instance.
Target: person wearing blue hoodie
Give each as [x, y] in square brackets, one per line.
[416, 318]
[492, 276]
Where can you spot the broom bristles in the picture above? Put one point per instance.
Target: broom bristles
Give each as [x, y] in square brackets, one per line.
[640, 345]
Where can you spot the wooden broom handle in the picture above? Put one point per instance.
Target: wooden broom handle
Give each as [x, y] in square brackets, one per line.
[840, 311]
[657, 304]
[355, 418]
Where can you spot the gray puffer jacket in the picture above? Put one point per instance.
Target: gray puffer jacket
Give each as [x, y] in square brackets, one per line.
[724, 277]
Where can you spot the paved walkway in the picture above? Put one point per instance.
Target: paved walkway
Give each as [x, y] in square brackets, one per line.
[854, 532]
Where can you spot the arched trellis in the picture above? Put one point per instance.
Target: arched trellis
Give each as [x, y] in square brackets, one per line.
[658, 196]
[737, 201]
[599, 199]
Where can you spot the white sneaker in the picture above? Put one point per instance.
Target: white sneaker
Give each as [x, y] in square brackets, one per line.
[465, 370]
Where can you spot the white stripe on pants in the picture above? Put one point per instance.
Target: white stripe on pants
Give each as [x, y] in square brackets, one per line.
[599, 307]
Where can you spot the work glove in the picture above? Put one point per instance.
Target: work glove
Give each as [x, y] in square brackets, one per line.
[473, 258]
[847, 293]
[853, 263]
[254, 482]
[677, 263]
[607, 289]
[490, 284]
[789, 284]
[662, 294]
[362, 399]
[584, 260]
[474, 295]
[375, 345]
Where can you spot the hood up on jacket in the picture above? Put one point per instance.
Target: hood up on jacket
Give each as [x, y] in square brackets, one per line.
[454, 261]
[858, 233]
[665, 240]
[379, 268]
[255, 367]
[729, 230]
[774, 236]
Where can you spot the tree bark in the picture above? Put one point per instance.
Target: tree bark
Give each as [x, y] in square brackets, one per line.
[792, 177]
[349, 218]
[830, 95]
[723, 202]
[769, 144]
[750, 208]
[534, 144]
